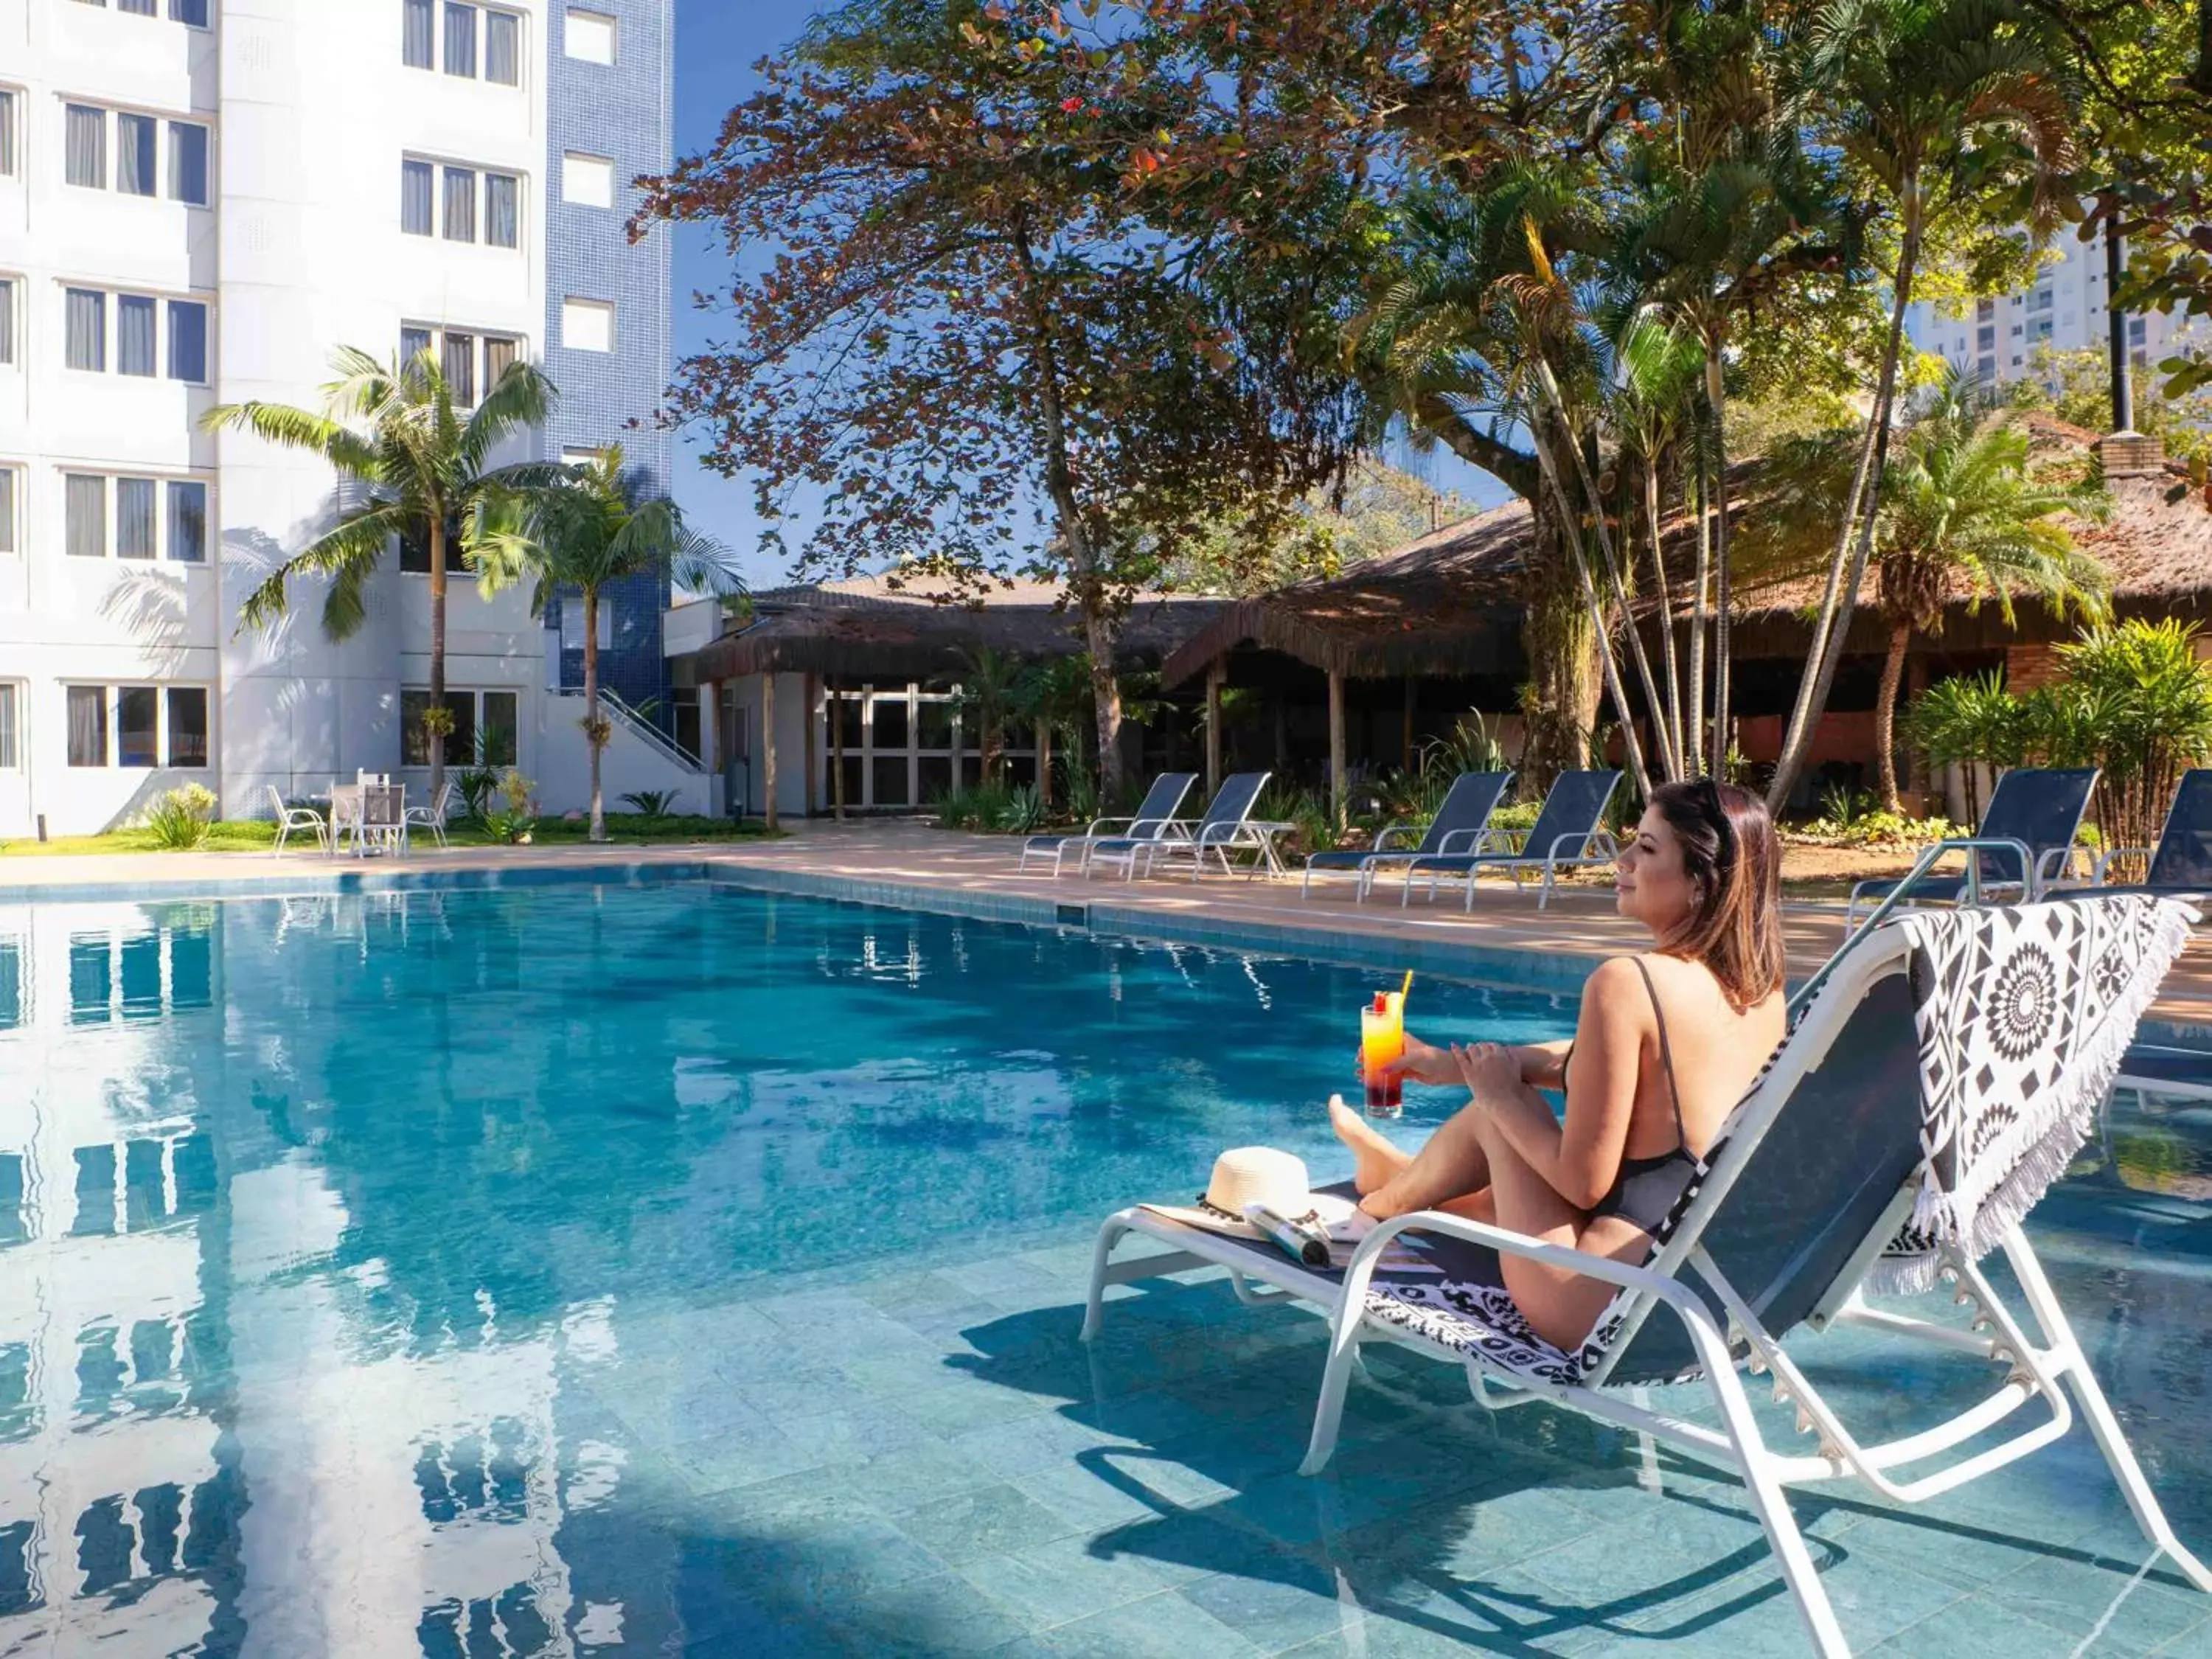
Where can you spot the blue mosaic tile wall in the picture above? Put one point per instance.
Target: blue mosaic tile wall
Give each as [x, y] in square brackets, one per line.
[624, 111]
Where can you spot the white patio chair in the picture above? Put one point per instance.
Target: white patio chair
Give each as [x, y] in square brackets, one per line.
[290, 819]
[380, 820]
[432, 816]
[1812, 1179]
[1155, 815]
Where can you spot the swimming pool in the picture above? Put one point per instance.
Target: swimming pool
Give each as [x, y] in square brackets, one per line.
[580, 1268]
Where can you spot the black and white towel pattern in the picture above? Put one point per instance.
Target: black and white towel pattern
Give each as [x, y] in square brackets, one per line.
[2022, 1015]
[1481, 1321]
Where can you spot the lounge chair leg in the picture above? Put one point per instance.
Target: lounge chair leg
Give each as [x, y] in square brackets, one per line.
[1101, 1253]
[2111, 1440]
[1328, 1410]
[1772, 1503]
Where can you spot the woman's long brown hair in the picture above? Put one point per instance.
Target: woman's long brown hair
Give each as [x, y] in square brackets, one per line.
[1732, 855]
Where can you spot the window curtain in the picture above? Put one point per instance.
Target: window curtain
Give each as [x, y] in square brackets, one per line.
[413, 343]
[503, 48]
[138, 714]
[85, 147]
[6, 320]
[87, 725]
[134, 334]
[188, 163]
[7, 509]
[417, 43]
[10, 749]
[135, 8]
[7, 134]
[84, 512]
[134, 518]
[88, 329]
[459, 361]
[414, 197]
[194, 12]
[134, 155]
[499, 357]
[188, 341]
[461, 40]
[460, 204]
[188, 523]
[501, 229]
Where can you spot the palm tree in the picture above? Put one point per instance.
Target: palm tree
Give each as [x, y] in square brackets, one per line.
[411, 467]
[992, 686]
[1962, 513]
[597, 527]
[1057, 695]
[1942, 103]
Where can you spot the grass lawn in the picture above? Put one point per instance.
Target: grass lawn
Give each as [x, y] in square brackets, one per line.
[251, 835]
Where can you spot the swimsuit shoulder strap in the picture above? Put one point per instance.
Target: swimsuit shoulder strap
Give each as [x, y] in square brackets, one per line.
[1666, 1053]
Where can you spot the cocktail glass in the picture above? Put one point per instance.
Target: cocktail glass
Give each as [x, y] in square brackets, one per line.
[1383, 1040]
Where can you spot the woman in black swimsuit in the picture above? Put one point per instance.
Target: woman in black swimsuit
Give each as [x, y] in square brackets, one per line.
[1666, 1044]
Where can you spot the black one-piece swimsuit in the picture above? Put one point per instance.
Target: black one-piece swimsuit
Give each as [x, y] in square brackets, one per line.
[1646, 1189]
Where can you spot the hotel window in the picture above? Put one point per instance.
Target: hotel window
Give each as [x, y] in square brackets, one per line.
[149, 515]
[188, 342]
[135, 8]
[187, 522]
[135, 137]
[418, 43]
[500, 352]
[84, 145]
[192, 12]
[503, 48]
[7, 319]
[460, 200]
[587, 180]
[587, 325]
[588, 36]
[10, 756]
[1986, 337]
[461, 40]
[490, 715]
[152, 726]
[1984, 309]
[7, 542]
[501, 226]
[188, 163]
[415, 190]
[86, 346]
[6, 133]
[458, 360]
[2040, 300]
[134, 334]
[413, 343]
[2042, 328]
[415, 550]
[2138, 331]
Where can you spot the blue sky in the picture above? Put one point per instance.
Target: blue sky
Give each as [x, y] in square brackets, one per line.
[717, 44]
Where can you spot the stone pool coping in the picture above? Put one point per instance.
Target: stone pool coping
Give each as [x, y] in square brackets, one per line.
[907, 866]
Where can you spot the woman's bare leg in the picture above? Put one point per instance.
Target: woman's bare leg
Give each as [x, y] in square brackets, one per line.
[1374, 1160]
[1451, 1165]
[1560, 1306]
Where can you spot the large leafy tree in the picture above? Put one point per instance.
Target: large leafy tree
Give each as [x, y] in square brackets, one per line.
[1951, 111]
[978, 343]
[597, 526]
[412, 466]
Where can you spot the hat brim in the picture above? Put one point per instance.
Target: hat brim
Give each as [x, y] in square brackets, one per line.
[1331, 1210]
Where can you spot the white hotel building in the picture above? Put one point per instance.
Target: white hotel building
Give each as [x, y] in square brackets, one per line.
[200, 200]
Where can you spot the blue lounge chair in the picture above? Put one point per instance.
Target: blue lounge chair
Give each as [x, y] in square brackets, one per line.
[2181, 863]
[1461, 825]
[1225, 827]
[1154, 814]
[2033, 819]
[1569, 834]
[1813, 1174]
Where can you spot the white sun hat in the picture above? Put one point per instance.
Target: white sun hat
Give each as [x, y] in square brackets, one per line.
[1257, 1174]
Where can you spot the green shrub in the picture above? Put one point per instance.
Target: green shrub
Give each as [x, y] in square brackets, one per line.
[517, 817]
[181, 820]
[654, 803]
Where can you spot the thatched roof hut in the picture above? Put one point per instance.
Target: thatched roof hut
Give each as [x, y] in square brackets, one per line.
[868, 629]
[1437, 606]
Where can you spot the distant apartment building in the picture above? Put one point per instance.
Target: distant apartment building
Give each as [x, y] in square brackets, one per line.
[1995, 340]
[199, 201]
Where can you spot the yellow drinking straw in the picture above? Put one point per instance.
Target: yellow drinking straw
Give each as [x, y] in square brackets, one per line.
[1406, 988]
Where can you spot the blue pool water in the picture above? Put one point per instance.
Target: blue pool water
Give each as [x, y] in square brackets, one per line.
[677, 1268]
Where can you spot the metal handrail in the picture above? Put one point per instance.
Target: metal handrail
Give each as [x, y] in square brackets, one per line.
[643, 728]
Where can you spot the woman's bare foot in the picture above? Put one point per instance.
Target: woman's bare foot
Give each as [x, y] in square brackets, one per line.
[1375, 1160]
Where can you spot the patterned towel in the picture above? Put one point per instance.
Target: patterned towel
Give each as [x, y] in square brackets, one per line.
[2022, 1015]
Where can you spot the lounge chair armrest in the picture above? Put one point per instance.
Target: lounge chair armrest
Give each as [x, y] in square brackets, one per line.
[1104, 826]
[1586, 841]
[1383, 835]
[2051, 865]
[2111, 856]
[1464, 840]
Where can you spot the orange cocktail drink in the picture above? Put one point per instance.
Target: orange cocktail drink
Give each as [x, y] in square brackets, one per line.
[1383, 1040]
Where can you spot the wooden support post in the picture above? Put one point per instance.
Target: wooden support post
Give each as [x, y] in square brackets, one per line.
[1413, 697]
[767, 745]
[813, 761]
[837, 749]
[1217, 674]
[1336, 789]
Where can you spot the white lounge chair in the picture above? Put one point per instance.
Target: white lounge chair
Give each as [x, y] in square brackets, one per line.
[1569, 833]
[432, 816]
[1226, 827]
[2033, 825]
[1461, 825]
[1155, 815]
[1812, 1178]
[291, 818]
